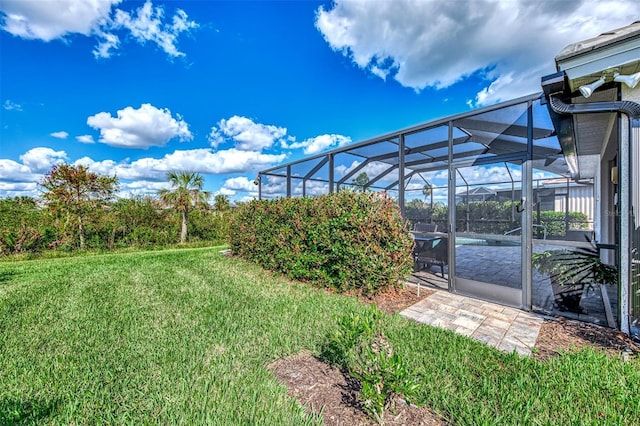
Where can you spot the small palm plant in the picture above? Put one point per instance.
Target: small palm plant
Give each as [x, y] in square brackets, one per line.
[185, 192]
[570, 271]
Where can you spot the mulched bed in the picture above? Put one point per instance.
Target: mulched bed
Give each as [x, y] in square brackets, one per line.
[320, 387]
[564, 335]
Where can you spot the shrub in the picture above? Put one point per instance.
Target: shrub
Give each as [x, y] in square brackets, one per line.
[554, 222]
[349, 241]
[360, 348]
[209, 225]
[24, 227]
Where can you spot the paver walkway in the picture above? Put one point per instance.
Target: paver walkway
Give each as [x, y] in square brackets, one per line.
[505, 328]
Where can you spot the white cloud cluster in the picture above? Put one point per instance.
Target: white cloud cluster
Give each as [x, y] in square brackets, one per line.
[245, 133]
[42, 159]
[225, 191]
[147, 25]
[198, 160]
[493, 174]
[372, 170]
[150, 126]
[240, 183]
[142, 176]
[12, 172]
[138, 128]
[17, 189]
[312, 188]
[141, 188]
[22, 178]
[318, 143]
[59, 135]
[9, 105]
[509, 44]
[50, 20]
[85, 139]
[249, 139]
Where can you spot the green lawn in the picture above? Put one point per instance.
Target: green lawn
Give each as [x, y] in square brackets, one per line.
[184, 336]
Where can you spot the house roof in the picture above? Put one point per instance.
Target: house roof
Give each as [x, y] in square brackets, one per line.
[583, 136]
[604, 39]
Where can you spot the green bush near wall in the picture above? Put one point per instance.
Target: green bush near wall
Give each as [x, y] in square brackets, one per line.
[348, 241]
[554, 222]
[493, 217]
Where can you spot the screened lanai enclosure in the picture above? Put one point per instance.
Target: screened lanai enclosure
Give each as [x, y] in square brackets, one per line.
[490, 187]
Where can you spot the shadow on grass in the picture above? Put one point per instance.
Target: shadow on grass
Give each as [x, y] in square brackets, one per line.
[28, 411]
[6, 276]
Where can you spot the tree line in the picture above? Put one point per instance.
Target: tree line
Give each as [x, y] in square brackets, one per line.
[79, 210]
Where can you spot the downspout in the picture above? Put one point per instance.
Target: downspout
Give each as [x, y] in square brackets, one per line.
[632, 111]
[629, 108]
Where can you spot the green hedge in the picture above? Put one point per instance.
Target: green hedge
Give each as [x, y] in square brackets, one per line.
[493, 217]
[348, 241]
[554, 222]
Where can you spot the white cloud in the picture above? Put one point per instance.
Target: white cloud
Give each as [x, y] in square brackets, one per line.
[49, 20]
[248, 198]
[13, 171]
[240, 183]
[485, 175]
[85, 139]
[342, 169]
[42, 159]
[106, 167]
[18, 189]
[148, 25]
[372, 170]
[11, 106]
[141, 188]
[272, 186]
[510, 44]
[144, 175]
[108, 43]
[312, 188]
[59, 135]
[139, 128]
[60, 19]
[414, 186]
[318, 143]
[226, 191]
[219, 162]
[17, 179]
[246, 134]
[198, 160]
[376, 168]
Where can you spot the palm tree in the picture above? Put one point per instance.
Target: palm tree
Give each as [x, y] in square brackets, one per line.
[427, 190]
[221, 203]
[186, 191]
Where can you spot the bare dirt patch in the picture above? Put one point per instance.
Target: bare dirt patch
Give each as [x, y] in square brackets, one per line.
[396, 300]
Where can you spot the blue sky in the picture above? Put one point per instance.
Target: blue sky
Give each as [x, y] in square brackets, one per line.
[226, 89]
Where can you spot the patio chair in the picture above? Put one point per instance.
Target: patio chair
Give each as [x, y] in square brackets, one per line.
[434, 252]
[425, 227]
